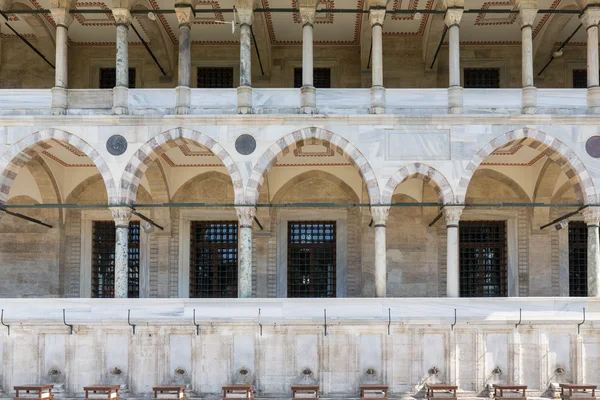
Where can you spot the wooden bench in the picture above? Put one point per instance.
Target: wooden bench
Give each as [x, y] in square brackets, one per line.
[512, 389]
[312, 392]
[170, 391]
[237, 391]
[441, 388]
[34, 391]
[110, 392]
[577, 388]
[380, 390]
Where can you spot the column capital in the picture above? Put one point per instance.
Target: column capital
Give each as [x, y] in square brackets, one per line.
[591, 215]
[184, 10]
[376, 16]
[62, 17]
[452, 215]
[307, 15]
[121, 215]
[246, 15]
[380, 215]
[591, 15]
[122, 16]
[453, 16]
[246, 215]
[527, 14]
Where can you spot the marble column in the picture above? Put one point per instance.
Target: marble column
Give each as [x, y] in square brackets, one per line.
[244, 91]
[455, 90]
[590, 19]
[452, 216]
[183, 93]
[121, 90]
[527, 14]
[592, 219]
[246, 217]
[376, 18]
[380, 216]
[308, 95]
[122, 216]
[63, 20]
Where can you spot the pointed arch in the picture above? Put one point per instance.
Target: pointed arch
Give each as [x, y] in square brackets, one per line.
[551, 147]
[153, 148]
[315, 174]
[303, 137]
[29, 147]
[427, 174]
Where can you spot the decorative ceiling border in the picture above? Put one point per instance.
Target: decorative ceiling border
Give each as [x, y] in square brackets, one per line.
[480, 20]
[545, 19]
[397, 17]
[109, 21]
[527, 164]
[64, 163]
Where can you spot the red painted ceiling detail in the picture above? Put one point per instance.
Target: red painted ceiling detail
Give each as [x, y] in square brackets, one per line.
[484, 19]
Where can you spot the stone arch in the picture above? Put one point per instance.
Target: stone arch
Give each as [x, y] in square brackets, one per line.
[315, 174]
[198, 179]
[428, 174]
[505, 179]
[29, 147]
[302, 137]
[153, 148]
[557, 151]
[546, 182]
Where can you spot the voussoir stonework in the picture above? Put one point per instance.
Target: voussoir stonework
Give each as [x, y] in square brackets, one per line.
[427, 174]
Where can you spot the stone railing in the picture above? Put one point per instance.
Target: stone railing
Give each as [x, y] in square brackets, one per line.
[287, 101]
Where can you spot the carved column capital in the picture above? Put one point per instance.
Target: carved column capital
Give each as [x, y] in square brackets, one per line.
[527, 14]
[246, 215]
[122, 16]
[185, 13]
[121, 215]
[380, 215]
[452, 215]
[591, 16]
[307, 15]
[453, 16]
[376, 16]
[62, 17]
[246, 15]
[591, 215]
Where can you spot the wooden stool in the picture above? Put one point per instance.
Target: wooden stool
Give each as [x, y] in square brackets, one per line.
[34, 391]
[441, 388]
[374, 389]
[577, 388]
[511, 388]
[236, 391]
[169, 391]
[311, 390]
[109, 392]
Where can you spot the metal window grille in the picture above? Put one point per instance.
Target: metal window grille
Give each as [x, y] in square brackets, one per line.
[108, 78]
[483, 271]
[213, 259]
[216, 78]
[311, 259]
[321, 78]
[580, 78]
[103, 259]
[482, 77]
[578, 236]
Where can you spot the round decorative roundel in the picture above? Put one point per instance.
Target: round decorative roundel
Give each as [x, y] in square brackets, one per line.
[592, 146]
[245, 144]
[116, 145]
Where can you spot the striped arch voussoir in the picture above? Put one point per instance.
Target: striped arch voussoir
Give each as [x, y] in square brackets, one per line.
[428, 174]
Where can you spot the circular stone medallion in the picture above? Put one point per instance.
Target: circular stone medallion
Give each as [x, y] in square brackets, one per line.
[116, 145]
[245, 144]
[592, 146]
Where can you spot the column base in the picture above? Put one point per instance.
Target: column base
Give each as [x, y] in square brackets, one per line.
[529, 100]
[593, 100]
[308, 100]
[183, 100]
[59, 101]
[244, 100]
[120, 100]
[377, 100]
[455, 100]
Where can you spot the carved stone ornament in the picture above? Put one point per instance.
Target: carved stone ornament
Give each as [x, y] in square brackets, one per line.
[121, 215]
[307, 15]
[246, 214]
[591, 215]
[452, 215]
[122, 16]
[376, 17]
[380, 215]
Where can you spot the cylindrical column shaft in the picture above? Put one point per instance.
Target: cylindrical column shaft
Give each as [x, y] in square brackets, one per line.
[593, 260]
[307, 55]
[121, 261]
[122, 66]
[526, 56]
[61, 72]
[185, 60]
[245, 262]
[380, 261]
[377, 55]
[592, 56]
[245, 55]
[452, 264]
[454, 55]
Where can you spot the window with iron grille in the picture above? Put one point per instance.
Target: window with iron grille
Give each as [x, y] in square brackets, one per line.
[578, 236]
[482, 77]
[108, 78]
[483, 270]
[215, 78]
[321, 78]
[311, 259]
[213, 259]
[103, 259]
[579, 78]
